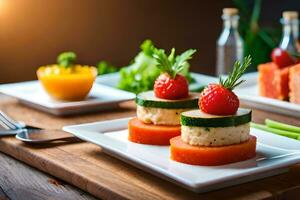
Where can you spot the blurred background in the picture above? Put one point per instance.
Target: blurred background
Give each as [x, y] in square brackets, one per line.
[34, 32]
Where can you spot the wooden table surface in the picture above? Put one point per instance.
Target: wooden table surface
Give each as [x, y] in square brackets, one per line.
[87, 167]
[20, 181]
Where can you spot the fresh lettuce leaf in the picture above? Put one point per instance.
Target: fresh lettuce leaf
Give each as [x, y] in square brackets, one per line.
[141, 74]
[106, 68]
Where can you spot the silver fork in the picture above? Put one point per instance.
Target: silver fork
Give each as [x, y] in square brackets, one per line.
[11, 126]
[28, 133]
[9, 123]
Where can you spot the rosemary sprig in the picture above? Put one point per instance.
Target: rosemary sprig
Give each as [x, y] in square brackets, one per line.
[172, 64]
[238, 70]
[66, 59]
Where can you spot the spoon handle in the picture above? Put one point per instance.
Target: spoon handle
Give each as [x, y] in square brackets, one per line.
[42, 136]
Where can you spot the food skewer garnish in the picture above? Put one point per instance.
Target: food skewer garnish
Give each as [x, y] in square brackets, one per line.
[170, 84]
[219, 99]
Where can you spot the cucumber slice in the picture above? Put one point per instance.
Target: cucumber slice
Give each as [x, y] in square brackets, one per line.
[148, 99]
[201, 119]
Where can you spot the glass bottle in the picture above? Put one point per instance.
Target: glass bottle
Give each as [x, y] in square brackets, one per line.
[229, 44]
[290, 35]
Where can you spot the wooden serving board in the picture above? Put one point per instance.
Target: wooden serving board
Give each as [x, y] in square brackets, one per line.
[87, 167]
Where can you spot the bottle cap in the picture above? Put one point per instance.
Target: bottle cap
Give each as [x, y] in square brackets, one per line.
[230, 11]
[290, 15]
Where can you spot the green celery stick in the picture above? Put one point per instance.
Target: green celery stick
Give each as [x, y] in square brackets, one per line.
[282, 126]
[276, 131]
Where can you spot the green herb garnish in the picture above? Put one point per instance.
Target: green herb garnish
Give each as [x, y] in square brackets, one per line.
[66, 59]
[171, 64]
[238, 70]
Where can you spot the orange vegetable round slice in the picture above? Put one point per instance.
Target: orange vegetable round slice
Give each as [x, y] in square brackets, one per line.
[209, 156]
[140, 132]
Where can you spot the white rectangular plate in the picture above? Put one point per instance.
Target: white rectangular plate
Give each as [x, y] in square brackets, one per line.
[32, 94]
[249, 96]
[274, 154]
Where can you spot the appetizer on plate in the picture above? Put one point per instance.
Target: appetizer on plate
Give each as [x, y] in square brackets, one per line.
[280, 79]
[66, 80]
[219, 132]
[273, 79]
[158, 111]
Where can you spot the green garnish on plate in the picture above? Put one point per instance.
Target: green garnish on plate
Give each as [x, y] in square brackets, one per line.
[279, 128]
[66, 59]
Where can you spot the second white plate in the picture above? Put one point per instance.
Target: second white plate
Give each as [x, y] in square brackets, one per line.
[32, 94]
[274, 154]
[249, 96]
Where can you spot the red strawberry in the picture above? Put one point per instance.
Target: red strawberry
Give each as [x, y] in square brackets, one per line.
[218, 99]
[166, 87]
[170, 84]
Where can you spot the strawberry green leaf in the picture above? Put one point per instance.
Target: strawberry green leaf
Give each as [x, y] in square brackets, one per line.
[171, 64]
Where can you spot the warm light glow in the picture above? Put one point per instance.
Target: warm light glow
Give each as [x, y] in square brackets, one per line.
[3, 4]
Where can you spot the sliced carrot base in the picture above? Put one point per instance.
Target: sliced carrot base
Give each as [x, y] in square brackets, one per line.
[209, 156]
[140, 132]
